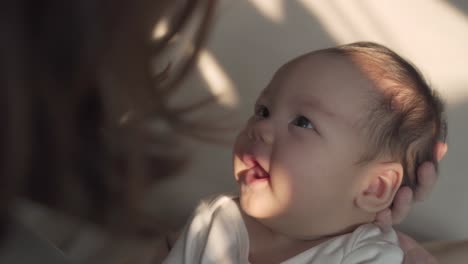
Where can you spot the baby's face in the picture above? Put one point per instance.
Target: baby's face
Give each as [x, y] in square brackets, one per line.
[295, 160]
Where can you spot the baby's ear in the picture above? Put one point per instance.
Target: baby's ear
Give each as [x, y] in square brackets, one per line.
[380, 186]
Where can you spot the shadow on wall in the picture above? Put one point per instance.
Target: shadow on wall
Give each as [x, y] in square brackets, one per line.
[461, 5]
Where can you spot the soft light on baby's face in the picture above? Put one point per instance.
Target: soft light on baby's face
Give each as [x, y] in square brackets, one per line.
[295, 160]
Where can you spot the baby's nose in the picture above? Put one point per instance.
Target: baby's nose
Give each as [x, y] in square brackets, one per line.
[261, 131]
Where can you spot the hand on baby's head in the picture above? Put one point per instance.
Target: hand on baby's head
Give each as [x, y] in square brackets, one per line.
[427, 177]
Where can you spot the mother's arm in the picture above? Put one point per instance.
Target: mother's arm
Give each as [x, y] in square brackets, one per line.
[442, 252]
[450, 252]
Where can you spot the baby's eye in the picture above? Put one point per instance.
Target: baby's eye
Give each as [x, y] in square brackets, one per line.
[303, 122]
[262, 111]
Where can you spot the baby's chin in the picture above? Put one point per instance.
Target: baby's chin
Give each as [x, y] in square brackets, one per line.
[260, 206]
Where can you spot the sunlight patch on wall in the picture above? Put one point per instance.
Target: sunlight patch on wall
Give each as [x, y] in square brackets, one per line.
[429, 33]
[160, 29]
[218, 81]
[443, 48]
[330, 20]
[271, 9]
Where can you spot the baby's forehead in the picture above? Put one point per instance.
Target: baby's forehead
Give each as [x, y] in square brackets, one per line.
[326, 63]
[328, 83]
[320, 70]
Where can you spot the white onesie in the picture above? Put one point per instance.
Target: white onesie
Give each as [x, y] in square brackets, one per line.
[217, 234]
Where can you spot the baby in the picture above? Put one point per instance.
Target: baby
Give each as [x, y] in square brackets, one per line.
[333, 137]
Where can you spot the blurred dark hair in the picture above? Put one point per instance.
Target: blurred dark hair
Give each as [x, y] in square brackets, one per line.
[86, 120]
[407, 118]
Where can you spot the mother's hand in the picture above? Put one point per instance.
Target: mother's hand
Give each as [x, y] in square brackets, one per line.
[427, 177]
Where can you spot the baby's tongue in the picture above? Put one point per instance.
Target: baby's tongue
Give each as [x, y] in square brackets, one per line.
[260, 173]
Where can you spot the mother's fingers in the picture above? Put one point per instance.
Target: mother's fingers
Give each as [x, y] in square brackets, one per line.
[440, 150]
[427, 177]
[384, 220]
[401, 204]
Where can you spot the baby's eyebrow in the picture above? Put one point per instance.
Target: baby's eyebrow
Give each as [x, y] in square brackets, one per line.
[318, 106]
[263, 97]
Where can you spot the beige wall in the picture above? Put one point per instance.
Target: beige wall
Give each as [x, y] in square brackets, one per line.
[252, 39]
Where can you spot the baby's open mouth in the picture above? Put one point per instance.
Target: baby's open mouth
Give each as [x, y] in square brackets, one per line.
[255, 173]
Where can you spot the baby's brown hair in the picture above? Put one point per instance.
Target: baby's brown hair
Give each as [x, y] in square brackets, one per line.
[406, 119]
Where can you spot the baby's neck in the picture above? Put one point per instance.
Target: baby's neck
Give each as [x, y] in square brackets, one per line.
[268, 246]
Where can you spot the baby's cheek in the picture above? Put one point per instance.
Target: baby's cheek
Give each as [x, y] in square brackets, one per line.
[282, 183]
